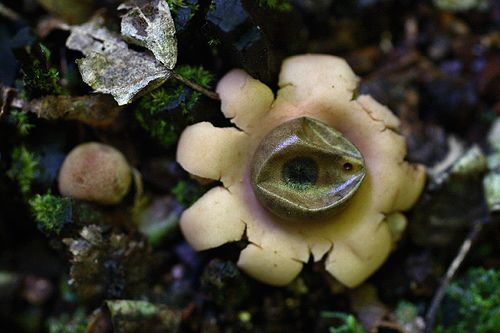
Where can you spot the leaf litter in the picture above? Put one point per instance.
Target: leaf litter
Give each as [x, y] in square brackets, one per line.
[111, 67]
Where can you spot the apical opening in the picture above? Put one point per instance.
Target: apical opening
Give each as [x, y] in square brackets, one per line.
[300, 172]
[347, 166]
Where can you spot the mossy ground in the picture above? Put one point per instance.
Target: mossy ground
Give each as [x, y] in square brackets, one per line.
[65, 264]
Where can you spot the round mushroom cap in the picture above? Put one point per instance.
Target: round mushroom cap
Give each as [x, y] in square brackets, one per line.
[95, 172]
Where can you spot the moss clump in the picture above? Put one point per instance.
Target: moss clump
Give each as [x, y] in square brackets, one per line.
[66, 323]
[167, 110]
[348, 323]
[472, 304]
[461, 5]
[52, 212]
[24, 168]
[187, 192]
[406, 312]
[278, 5]
[39, 77]
[182, 12]
[20, 120]
[175, 5]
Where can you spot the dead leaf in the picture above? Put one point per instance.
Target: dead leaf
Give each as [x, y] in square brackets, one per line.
[94, 110]
[110, 67]
[149, 24]
[140, 316]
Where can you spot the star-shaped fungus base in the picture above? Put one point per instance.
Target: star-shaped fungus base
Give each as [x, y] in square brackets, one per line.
[354, 242]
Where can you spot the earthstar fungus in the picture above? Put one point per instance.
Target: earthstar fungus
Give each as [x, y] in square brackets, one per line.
[354, 234]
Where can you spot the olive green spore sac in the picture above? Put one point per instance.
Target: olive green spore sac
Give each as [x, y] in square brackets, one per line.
[304, 169]
[95, 172]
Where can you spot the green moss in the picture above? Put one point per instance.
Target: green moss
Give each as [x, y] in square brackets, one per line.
[472, 304]
[197, 74]
[461, 5]
[21, 121]
[167, 110]
[52, 212]
[39, 77]
[24, 168]
[187, 192]
[175, 5]
[406, 312]
[348, 324]
[278, 5]
[66, 323]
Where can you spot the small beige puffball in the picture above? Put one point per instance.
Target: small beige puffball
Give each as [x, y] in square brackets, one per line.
[95, 172]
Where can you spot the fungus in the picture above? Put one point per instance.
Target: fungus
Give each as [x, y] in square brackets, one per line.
[314, 172]
[95, 172]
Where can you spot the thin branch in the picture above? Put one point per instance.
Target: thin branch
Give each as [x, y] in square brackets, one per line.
[48, 24]
[462, 253]
[195, 86]
[10, 14]
[19, 103]
[408, 59]
[390, 324]
[7, 97]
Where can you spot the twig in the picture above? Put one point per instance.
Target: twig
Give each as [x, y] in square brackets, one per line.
[406, 60]
[18, 103]
[7, 99]
[9, 13]
[47, 24]
[195, 86]
[438, 296]
[392, 325]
